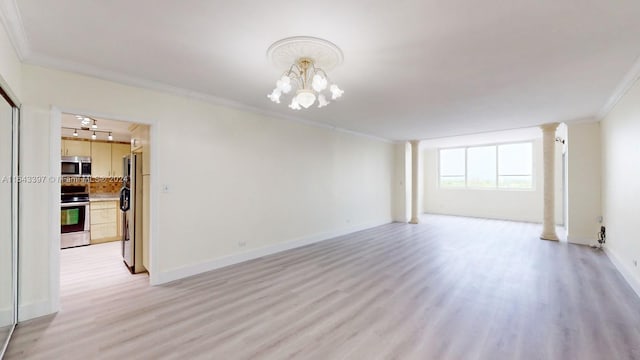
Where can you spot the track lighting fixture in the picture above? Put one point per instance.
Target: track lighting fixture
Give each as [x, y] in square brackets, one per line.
[94, 133]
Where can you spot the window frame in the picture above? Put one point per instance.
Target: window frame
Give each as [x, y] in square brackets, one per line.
[465, 168]
[497, 175]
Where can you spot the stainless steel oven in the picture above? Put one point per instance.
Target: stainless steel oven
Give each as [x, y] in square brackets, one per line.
[75, 166]
[75, 224]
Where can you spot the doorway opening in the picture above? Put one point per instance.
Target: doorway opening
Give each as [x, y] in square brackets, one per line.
[105, 202]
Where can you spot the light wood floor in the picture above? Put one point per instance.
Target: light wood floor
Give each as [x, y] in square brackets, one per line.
[450, 288]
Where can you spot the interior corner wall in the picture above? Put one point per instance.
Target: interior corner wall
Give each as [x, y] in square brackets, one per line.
[583, 178]
[242, 184]
[621, 185]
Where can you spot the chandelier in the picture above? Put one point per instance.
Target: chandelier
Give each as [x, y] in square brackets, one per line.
[306, 58]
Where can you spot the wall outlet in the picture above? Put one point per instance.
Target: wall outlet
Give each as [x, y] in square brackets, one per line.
[165, 188]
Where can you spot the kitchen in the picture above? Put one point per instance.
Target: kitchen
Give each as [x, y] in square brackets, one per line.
[105, 190]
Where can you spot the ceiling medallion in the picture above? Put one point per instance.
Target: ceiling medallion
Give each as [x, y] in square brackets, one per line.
[307, 60]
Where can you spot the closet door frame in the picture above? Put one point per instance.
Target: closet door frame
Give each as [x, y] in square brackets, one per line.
[15, 196]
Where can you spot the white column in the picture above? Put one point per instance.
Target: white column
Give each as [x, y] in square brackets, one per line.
[548, 152]
[415, 166]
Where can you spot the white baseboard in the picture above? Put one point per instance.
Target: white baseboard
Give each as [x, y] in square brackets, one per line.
[190, 270]
[581, 240]
[34, 310]
[627, 273]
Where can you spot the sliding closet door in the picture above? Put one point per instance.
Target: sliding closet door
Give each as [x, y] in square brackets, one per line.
[8, 213]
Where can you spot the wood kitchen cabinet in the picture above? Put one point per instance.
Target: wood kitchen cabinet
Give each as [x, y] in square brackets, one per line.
[100, 159]
[75, 148]
[105, 223]
[106, 158]
[118, 151]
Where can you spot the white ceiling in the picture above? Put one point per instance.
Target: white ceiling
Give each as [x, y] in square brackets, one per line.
[119, 129]
[412, 68]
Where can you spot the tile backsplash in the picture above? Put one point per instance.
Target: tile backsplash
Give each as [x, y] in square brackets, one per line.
[111, 186]
[98, 185]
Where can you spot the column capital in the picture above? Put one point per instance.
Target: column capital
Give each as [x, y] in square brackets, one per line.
[414, 142]
[549, 127]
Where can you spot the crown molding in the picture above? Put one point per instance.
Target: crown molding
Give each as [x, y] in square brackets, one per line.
[12, 20]
[621, 90]
[100, 73]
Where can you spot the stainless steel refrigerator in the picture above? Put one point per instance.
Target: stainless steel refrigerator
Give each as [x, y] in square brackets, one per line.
[131, 174]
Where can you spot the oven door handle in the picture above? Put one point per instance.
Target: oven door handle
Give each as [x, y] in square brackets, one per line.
[74, 204]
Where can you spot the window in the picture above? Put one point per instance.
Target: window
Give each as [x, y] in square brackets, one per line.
[515, 164]
[452, 168]
[504, 166]
[481, 167]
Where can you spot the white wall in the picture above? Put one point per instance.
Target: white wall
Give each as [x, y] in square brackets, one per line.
[583, 179]
[517, 205]
[621, 184]
[235, 177]
[10, 66]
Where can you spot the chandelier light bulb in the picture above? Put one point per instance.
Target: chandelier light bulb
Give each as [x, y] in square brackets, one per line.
[93, 136]
[322, 101]
[294, 104]
[110, 137]
[305, 98]
[275, 95]
[336, 92]
[75, 132]
[284, 84]
[95, 125]
[319, 83]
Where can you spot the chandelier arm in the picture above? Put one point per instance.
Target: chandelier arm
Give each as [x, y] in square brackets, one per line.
[291, 68]
[321, 70]
[294, 73]
[296, 77]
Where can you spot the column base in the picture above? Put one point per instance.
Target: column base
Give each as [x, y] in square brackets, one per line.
[550, 237]
[414, 221]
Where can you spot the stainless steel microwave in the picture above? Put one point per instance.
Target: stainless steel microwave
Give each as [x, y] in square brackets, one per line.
[76, 166]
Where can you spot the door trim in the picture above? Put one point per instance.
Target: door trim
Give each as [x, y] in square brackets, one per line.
[54, 201]
[15, 213]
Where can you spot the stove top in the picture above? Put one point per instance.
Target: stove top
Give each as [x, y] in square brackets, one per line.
[71, 198]
[71, 194]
